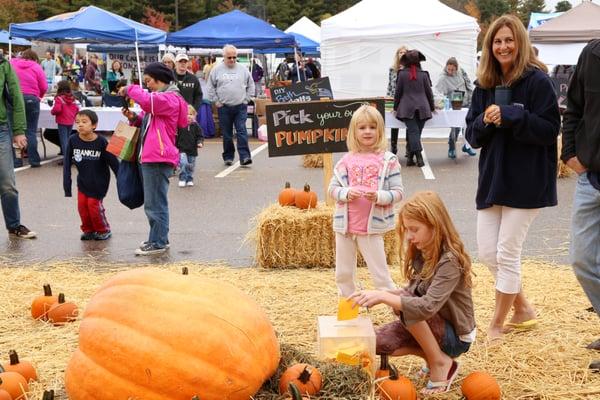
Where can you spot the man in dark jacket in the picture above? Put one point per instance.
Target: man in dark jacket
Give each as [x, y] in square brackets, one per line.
[581, 152]
[8, 189]
[188, 84]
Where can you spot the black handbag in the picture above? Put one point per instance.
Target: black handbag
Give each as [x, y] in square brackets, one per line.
[129, 184]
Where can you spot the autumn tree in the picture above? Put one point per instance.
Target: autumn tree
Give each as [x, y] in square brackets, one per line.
[156, 19]
[563, 5]
[16, 11]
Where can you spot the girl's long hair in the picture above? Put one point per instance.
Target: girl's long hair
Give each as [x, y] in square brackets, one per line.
[489, 74]
[369, 114]
[427, 208]
[63, 87]
[397, 65]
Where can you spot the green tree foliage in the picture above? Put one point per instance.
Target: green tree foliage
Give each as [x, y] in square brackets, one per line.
[563, 5]
[527, 7]
[16, 11]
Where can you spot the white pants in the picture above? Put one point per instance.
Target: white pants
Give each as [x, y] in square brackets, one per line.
[501, 232]
[373, 251]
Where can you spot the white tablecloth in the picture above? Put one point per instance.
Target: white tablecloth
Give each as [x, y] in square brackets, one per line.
[440, 119]
[108, 117]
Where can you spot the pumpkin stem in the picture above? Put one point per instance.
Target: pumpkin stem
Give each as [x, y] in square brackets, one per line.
[14, 357]
[185, 271]
[47, 290]
[306, 187]
[195, 396]
[61, 298]
[294, 391]
[305, 375]
[48, 395]
[384, 366]
[393, 372]
[287, 185]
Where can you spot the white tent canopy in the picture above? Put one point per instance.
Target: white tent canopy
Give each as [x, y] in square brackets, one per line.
[306, 27]
[358, 45]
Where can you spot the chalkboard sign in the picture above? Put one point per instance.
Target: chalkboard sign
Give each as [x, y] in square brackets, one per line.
[314, 89]
[313, 127]
[561, 86]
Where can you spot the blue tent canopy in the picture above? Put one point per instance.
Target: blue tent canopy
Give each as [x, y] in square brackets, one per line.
[15, 41]
[236, 28]
[305, 45]
[89, 24]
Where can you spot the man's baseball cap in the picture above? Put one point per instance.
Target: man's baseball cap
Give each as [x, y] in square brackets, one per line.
[181, 56]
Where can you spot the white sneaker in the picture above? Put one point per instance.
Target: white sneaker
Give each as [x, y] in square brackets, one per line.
[190, 183]
[181, 183]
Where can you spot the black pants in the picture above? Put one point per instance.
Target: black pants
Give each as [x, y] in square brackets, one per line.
[414, 128]
[394, 140]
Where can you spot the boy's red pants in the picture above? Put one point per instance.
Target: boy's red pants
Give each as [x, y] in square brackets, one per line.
[92, 214]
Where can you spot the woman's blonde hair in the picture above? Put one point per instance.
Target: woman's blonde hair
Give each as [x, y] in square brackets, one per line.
[192, 110]
[428, 208]
[369, 114]
[489, 73]
[397, 64]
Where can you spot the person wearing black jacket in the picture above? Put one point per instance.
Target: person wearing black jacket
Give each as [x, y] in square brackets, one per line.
[518, 161]
[187, 83]
[188, 141]
[581, 152]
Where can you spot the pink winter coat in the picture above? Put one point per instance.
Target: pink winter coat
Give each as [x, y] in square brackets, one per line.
[31, 77]
[65, 109]
[168, 111]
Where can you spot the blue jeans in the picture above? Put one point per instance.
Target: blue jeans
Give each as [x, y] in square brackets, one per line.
[230, 116]
[453, 137]
[585, 239]
[187, 164]
[155, 178]
[451, 343]
[8, 190]
[64, 132]
[32, 114]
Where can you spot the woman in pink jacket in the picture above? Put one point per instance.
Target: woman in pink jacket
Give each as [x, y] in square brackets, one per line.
[163, 111]
[33, 85]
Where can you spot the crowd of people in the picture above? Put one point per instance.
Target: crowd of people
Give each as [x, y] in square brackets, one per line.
[513, 118]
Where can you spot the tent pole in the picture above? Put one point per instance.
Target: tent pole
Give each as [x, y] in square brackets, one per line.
[137, 57]
[9, 46]
[296, 60]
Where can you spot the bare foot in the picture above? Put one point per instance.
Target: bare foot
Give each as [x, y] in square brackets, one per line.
[495, 334]
[438, 371]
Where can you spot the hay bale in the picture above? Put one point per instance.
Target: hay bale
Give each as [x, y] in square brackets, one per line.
[288, 237]
[312, 161]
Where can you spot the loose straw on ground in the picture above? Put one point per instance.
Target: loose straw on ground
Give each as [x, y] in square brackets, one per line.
[548, 363]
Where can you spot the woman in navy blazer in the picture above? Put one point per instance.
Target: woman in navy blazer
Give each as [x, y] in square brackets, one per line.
[514, 119]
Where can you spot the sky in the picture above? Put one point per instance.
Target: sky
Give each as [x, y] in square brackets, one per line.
[550, 4]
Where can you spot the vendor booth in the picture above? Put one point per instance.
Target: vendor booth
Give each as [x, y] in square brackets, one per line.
[561, 39]
[358, 45]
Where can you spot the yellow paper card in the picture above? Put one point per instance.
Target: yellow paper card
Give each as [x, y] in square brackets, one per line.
[345, 310]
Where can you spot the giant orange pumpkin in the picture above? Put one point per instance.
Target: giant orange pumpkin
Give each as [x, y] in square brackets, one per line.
[480, 385]
[396, 387]
[156, 335]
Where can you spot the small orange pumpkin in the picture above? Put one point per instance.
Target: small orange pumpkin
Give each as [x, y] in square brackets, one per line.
[24, 368]
[62, 312]
[396, 387]
[480, 385]
[307, 378]
[287, 196]
[41, 304]
[4, 395]
[306, 198]
[14, 384]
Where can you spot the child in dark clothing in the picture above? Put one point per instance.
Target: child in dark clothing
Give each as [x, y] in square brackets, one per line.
[88, 152]
[188, 141]
[64, 110]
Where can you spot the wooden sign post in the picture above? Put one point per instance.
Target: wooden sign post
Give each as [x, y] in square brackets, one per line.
[316, 127]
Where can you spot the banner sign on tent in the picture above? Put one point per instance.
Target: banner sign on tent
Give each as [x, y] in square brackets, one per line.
[561, 86]
[128, 61]
[313, 127]
[314, 89]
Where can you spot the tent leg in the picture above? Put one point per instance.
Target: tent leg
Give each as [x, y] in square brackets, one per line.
[296, 56]
[137, 58]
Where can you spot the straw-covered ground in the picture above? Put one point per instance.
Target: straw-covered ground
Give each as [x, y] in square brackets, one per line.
[549, 362]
